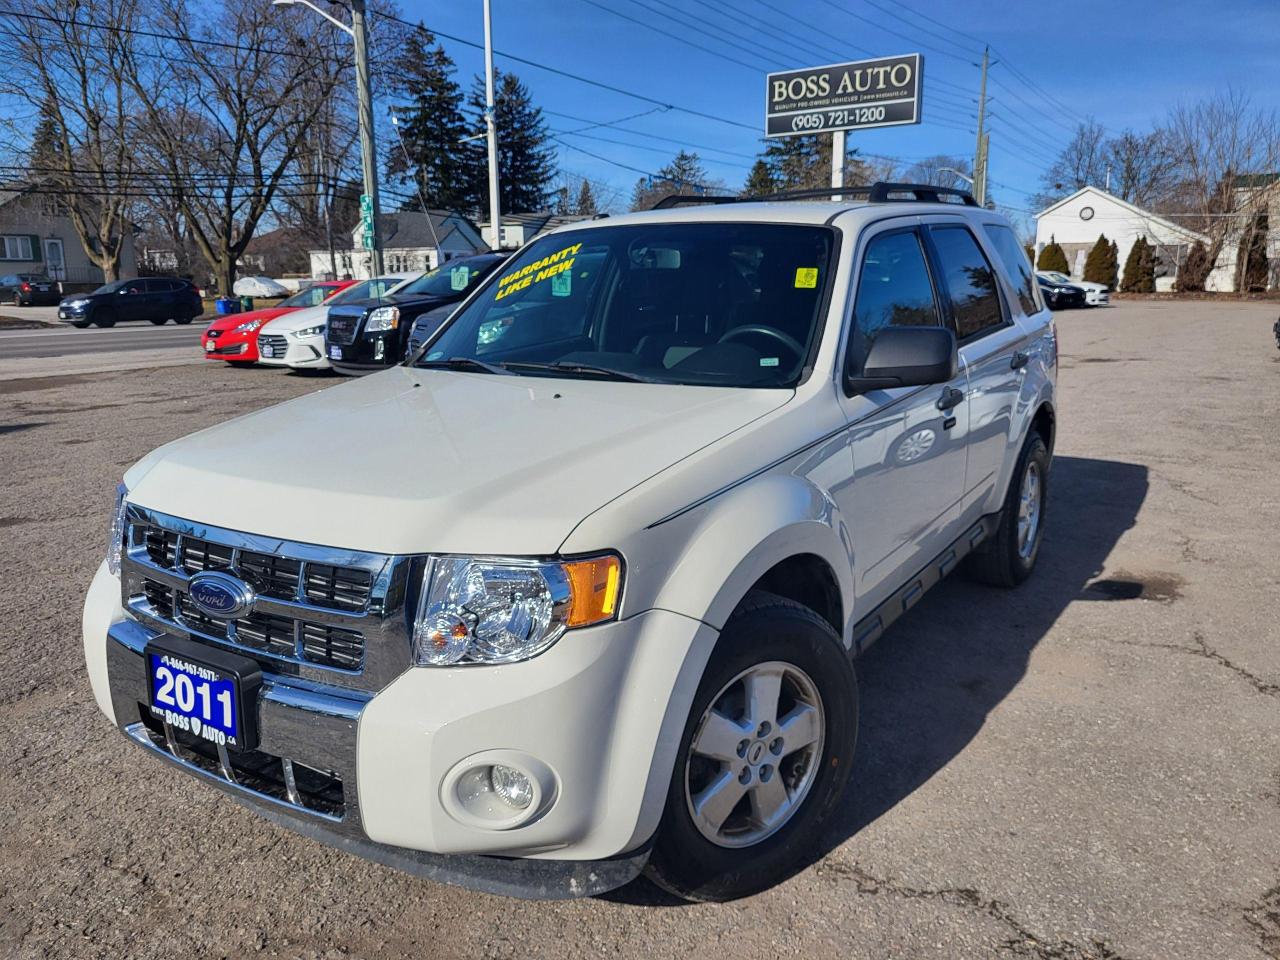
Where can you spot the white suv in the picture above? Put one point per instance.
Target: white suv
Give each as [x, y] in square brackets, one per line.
[578, 594]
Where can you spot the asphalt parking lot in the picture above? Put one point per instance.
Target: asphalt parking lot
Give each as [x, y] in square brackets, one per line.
[1086, 767]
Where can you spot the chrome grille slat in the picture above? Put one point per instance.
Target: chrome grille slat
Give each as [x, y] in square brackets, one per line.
[330, 615]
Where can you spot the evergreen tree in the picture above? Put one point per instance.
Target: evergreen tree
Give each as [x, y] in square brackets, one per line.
[526, 161]
[1251, 260]
[760, 181]
[1113, 267]
[44, 156]
[563, 207]
[432, 126]
[1139, 268]
[1097, 266]
[1030, 250]
[1195, 269]
[1053, 258]
[586, 205]
[684, 174]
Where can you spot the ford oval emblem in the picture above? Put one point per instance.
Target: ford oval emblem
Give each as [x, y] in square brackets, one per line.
[220, 594]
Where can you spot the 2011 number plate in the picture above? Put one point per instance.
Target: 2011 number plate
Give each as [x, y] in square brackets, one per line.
[335, 353]
[211, 695]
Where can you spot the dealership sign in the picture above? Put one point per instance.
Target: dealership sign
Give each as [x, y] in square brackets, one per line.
[844, 96]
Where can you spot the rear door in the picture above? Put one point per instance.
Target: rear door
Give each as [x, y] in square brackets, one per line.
[909, 442]
[989, 342]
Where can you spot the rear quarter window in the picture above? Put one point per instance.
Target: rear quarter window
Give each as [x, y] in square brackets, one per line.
[1016, 264]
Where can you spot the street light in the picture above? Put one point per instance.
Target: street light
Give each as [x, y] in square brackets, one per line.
[359, 34]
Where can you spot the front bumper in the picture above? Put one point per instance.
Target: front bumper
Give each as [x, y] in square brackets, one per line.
[603, 710]
[231, 347]
[307, 353]
[367, 353]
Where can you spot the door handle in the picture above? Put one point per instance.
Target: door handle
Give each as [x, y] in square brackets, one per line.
[1019, 360]
[950, 397]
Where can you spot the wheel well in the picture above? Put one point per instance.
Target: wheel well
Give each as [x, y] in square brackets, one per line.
[1043, 424]
[808, 580]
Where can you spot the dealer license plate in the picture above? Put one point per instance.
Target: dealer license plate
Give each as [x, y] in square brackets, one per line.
[268, 352]
[208, 693]
[335, 353]
[208, 346]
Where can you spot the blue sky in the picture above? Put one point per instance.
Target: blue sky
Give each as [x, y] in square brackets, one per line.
[1122, 61]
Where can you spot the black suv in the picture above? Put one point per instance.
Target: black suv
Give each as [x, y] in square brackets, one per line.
[370, 335]
[148, 298]
[25, 289]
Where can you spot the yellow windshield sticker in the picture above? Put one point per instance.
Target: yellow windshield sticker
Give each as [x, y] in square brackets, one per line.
[806, 278]
[549, 266]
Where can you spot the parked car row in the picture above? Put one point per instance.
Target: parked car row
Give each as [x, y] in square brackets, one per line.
[1061, 292]
[352, 327]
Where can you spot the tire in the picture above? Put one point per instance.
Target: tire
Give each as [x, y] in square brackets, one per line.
[82, 324]
[774, 636]
[1007, 559]
[159, 321]
[183, 321]
[111, 322]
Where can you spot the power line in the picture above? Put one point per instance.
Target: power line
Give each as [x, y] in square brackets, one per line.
[880, 26]
[581, 79]
[678, 15]
[641, 133]
[673, 36]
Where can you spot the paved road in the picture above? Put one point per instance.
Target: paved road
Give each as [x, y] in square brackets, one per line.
[1086, 767]
[124, 337]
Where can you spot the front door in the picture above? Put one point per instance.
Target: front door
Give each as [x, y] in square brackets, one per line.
[55, 263]
[909, 442]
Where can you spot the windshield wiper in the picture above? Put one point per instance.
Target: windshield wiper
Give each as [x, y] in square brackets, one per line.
[561, 366]
[462, 363]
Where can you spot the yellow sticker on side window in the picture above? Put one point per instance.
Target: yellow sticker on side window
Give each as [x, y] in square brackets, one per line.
[806, 278]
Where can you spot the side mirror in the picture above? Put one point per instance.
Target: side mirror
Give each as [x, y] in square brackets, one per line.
[906, 357]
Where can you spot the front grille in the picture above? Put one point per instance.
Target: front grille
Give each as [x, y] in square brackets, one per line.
[318, 791]
[278, 344]
[213, 334]
[316, 610]
[342, 327]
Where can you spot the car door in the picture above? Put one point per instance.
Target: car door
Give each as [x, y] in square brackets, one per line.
[908, 443]
[989, 341]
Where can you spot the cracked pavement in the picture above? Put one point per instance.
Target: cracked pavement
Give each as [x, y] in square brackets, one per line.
[1085, 767]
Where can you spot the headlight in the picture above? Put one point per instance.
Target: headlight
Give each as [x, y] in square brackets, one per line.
[384, 318]
[76, 303]
[248, 325]
[115, 540]
[482, 610]
[309, 332]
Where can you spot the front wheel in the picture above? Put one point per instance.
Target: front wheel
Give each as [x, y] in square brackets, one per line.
[104, 321]
[183, 321]
[765, 755]
[159, 321]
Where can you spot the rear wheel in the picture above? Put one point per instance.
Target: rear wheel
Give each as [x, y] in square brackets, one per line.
[159, 321]
[80, 323]
[1009, 557]
[183, 320]
[765, 755]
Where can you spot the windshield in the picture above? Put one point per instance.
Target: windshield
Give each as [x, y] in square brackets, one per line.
[449, 280]
[310, 297]
[726, 304]
[113, 287]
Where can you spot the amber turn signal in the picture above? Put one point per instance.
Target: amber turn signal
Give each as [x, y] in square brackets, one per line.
[593, 590]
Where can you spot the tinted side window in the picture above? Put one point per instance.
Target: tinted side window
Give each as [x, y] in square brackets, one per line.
[1015, 262]
[969, 279]
[893, 290]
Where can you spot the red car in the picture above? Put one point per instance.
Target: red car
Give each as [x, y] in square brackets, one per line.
[234, 338]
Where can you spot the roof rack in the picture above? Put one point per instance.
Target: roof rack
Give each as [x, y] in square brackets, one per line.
[880, 192]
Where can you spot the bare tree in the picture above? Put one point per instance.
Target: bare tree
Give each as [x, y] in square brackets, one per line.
[941, 171]
[1228, 150]
[228, 120]
[1082, 163]
[1141, 166]
[69, 61]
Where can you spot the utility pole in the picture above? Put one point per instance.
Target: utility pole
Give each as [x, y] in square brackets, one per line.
[368, 153]
[491, 127]
[837, 160]
[980, 152]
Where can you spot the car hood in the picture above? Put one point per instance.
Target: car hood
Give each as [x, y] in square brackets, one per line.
[417, 461]
[297, 319]
[233, 320]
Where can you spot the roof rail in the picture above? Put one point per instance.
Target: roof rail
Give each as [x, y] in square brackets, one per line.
[692, 199]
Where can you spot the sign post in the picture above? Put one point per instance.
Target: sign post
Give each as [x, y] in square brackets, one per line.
[884, 92]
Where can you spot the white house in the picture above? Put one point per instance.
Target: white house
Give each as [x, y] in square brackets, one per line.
[409, 242]
[519, 228]
[1255, 193]
[1075, 223]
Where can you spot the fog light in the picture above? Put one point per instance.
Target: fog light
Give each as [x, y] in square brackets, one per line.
[512, 787]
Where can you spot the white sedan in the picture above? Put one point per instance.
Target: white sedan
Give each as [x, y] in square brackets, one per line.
[297, 339]
[1095, 294]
